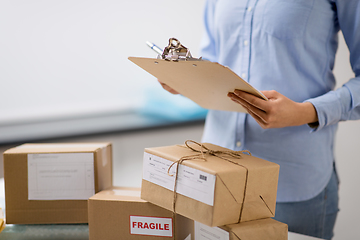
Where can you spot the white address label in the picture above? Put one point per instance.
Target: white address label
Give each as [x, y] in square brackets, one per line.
[203, 232]
[193, 183]
[61, 176]
[151, 226]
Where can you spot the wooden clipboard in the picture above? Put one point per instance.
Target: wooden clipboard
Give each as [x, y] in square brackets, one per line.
[204, 82]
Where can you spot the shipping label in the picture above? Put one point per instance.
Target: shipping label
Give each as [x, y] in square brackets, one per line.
[151, 226]
[204, 232]
[61, 176]
[193, 183]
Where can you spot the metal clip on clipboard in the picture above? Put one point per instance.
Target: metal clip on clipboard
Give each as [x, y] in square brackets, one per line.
[174, 51]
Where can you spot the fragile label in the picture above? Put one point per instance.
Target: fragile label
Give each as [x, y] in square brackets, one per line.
[193, 183]
[61, 176]
[151, 226]
[203, 232]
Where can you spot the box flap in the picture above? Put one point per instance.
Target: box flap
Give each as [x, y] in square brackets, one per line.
[258, 229]
[56, 147]
[119, 194]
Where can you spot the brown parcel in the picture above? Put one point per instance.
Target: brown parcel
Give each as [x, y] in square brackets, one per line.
[242, 193]
[20, 210]
[116, 213]
[268, 229]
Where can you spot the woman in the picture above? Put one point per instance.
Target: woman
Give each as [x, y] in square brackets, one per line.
[287, 49]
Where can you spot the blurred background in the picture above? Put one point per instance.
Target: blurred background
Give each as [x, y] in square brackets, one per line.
[63, 64]
[65, 77]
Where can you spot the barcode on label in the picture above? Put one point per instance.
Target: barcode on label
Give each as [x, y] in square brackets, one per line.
[202, 177]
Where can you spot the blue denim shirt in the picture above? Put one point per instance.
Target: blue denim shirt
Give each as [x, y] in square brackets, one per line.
[288, 46]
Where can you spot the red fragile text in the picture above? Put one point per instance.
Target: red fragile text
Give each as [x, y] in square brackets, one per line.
[145, 225]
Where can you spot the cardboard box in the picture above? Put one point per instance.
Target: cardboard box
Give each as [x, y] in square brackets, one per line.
[51, 183]
[119, 213]
[268, 229]
[217, 191]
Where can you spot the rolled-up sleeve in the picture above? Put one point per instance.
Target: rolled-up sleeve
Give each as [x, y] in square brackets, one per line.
[344, 103]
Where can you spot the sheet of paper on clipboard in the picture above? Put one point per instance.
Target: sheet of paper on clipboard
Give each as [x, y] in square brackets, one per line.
[204, 82]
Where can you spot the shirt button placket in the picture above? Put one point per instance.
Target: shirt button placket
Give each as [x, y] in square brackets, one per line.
[245, 54]
[246, 41]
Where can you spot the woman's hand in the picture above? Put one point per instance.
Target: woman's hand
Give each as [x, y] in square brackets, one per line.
[167, 88]
[279, 111]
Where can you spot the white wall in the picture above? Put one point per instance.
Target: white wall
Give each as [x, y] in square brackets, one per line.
[64, 59]
[348, 159]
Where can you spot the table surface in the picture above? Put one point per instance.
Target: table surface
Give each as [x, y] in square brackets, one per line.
[70, 232]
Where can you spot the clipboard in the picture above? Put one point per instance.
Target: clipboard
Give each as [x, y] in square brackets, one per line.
[204, 82]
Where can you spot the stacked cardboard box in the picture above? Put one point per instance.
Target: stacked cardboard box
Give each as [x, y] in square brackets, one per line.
[214, 187]
[220, 194]
[51, 183]
[120, 213]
